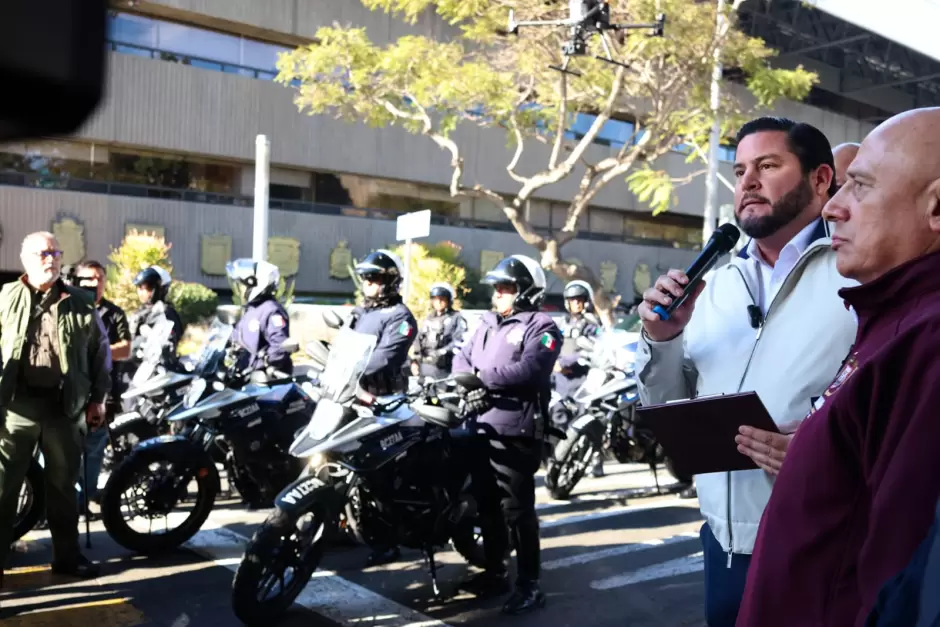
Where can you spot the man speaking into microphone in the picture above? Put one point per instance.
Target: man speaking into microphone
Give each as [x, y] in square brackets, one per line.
[770, 321]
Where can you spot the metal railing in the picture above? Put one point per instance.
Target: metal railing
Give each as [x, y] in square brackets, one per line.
[116, 188]
[188, 59]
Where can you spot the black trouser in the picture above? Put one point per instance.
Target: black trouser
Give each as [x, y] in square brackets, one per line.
[503, 479]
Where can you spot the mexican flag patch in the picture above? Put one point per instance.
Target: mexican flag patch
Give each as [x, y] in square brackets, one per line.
[404, 329]
[548, 341]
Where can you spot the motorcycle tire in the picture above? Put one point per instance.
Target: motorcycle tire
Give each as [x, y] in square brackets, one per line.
[145, 543]
[266, 544]
[670, 468]
[26, 519]
[566, 455]
[468, 542]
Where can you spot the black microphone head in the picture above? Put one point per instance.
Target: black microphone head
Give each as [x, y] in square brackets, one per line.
[726, 236]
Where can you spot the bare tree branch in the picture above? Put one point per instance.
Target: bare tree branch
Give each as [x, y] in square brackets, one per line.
[520, 146]
[562, 119]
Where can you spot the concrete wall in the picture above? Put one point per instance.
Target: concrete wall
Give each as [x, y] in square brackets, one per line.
[23, 210]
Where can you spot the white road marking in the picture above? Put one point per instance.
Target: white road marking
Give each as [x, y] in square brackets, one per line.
[327, 593]
[614, 551]
[613, 511]
[672, 568]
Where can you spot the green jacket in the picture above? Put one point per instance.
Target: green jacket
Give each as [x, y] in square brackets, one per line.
[84, 351]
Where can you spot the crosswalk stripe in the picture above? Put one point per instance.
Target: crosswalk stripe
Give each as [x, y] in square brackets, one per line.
[607, 513]
[326, 593]
[593, 556]
[672, 568]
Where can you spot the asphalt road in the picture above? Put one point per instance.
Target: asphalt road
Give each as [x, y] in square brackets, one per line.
[616, 554]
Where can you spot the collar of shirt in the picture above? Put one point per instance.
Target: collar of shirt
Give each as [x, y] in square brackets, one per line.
[772, 277]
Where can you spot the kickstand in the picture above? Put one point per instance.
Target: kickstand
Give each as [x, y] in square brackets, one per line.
[656, 478]
[432, 567]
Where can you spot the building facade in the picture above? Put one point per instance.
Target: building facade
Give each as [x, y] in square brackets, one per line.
[171, 150]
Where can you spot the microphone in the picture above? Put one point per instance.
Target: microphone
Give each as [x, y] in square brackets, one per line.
[720, 243]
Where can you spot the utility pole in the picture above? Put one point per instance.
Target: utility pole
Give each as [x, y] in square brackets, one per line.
[259, 240]
[710, 215]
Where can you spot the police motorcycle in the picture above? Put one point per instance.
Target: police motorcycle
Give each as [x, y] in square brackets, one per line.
[605, 420]
[400, 459]
[249, 417]
[155, 389]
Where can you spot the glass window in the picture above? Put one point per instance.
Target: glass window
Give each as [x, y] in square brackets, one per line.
[132, 29]
[259, 55]
[196, 42]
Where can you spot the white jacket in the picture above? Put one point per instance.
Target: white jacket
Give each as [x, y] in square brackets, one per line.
[789, 360]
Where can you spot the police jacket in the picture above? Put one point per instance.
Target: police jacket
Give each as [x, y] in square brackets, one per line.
[439, 338]
[150, 315]
[395, 329]
[574, 327]
[115, 323]
[264, 325]
[514, 358]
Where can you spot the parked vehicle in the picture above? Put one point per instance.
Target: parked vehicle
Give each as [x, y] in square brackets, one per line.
[400, 461]
[251, 416]
[605, 419]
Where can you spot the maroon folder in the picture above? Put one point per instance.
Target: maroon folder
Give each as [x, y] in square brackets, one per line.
[698, 434]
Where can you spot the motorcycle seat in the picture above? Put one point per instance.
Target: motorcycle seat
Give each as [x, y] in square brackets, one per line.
[438, 415]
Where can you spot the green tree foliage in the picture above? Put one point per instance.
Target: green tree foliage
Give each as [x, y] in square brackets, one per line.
[194, 302]
[136, 252]
[485, 77]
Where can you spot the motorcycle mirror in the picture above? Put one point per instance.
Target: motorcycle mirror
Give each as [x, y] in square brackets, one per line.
[226, 316]
[332, 319]
[291, 345]
[468, 380]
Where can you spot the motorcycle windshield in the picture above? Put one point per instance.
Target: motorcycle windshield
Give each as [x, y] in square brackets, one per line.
[615, 348]
[213, 349]
[157, 338]
[338, 384]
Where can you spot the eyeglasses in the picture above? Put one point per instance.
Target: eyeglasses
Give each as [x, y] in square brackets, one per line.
[45, 254]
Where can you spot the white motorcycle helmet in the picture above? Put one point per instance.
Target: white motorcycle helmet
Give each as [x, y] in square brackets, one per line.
[256, 279]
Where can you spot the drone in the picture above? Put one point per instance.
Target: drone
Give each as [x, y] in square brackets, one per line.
[585, 18]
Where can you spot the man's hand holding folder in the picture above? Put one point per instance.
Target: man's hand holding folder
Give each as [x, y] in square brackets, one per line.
[766, 448]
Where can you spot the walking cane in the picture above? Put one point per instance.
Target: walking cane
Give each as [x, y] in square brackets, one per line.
[85, 490]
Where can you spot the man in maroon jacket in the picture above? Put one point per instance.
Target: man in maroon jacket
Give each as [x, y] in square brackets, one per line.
[857, 491]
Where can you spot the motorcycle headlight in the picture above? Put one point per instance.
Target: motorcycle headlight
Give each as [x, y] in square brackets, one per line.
[195, 393]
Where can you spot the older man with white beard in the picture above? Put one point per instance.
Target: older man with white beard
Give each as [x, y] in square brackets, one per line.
[54, 380]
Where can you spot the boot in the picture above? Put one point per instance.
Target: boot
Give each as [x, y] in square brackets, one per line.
[689, 492]
[81, 567]
[526, 598]
[598, 470]
[487, 584]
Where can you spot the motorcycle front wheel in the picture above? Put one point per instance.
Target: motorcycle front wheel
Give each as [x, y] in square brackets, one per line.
[157, 484]
[567, 467]
[278, 562]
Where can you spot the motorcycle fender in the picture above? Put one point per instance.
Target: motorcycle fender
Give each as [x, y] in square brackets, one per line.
[126, 422]
[591, 427]
[299, 496]
[180, 450]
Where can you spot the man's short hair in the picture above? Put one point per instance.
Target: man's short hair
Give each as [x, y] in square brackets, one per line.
[38, 235]
[807, 142]
[91, 264]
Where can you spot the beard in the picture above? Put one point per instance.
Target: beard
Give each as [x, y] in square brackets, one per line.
[787, 208]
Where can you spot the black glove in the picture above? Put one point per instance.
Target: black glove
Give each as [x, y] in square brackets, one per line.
[477, 402]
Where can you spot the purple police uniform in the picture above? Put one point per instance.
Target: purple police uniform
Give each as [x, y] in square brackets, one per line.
[514, 358]
[264, 325]
[396, 329]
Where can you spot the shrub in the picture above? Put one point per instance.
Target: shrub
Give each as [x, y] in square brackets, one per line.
[136, 252]
[193, 301]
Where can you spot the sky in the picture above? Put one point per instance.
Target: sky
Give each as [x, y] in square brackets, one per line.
[911, 23]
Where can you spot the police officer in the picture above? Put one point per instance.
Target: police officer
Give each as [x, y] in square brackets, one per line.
[571, 370]
[384, 315]
[513, 352]
[264, 324]
[153, 287]
[440, 335]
